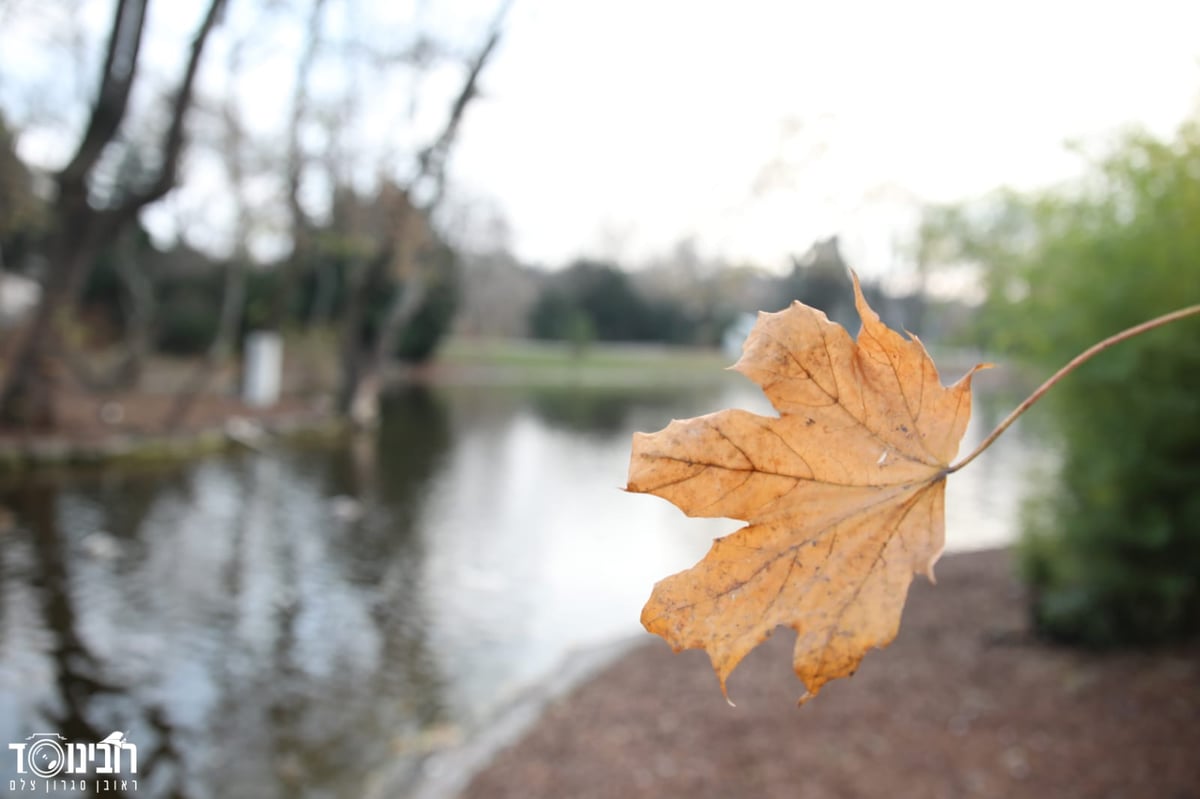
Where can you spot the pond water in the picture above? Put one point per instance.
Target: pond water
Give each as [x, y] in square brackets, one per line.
[296, 621]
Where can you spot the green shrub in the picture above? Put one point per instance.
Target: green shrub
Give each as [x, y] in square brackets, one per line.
[1111, 546]
[1112, 549]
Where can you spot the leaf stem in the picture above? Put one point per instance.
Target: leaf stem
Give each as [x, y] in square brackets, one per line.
[1075, 362]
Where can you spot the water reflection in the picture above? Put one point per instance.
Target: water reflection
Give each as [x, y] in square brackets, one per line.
[249, 639]
[78, 677]
[296, 622]
[596, 412]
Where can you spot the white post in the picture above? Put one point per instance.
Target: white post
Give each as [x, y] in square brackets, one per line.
[262, 369]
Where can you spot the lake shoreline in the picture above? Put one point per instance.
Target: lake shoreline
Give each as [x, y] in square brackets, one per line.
[444, 771]
[152, 424]
[432, 589]
[965, 702]
[221, 427]
[139, 425]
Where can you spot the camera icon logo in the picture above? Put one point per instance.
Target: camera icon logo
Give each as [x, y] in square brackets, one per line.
[44, 754]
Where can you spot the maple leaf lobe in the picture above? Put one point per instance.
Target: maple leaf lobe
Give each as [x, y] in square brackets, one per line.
[843, 494]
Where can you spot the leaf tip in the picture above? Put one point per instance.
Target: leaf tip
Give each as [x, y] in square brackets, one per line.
[979, 367]
[928, 570]
[865, 312]
[722, 676]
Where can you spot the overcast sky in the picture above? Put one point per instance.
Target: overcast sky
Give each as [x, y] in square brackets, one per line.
[621, 127]
[757, 126]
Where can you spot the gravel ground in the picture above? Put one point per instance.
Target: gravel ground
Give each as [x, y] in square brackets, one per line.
[963, 704]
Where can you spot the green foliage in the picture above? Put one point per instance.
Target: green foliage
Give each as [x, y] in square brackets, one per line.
[1112, 545]
[258, 307]
[596, 300]
[433, 319]
[550, 317]
[188, 327]
[580, 332]
[599, 293]
[190, 303]
[188, 307]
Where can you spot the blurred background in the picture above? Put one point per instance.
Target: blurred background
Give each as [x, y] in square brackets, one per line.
[325, 325]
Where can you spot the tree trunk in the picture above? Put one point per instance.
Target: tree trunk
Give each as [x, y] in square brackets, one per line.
[140, 314]
[138, 303]
[81, 231]
[363, 372]
[356, 386]
[28, 397]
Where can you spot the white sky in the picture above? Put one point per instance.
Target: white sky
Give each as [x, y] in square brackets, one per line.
[621, 127]
[628, 124]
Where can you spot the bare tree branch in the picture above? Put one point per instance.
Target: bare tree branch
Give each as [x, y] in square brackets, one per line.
[301, 223]
[233, 291]
[112, 96]
[300, 108]
[174, 138]
[366, 377]
[81, 231]
[432, 160]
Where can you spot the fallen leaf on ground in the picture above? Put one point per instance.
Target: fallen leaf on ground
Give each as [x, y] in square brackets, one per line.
[843, 492]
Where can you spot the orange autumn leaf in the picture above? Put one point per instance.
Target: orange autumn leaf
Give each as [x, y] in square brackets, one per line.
[843, 493]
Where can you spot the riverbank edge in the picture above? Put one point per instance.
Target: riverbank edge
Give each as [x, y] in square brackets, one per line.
[34, 453]
[966, 701]
[444, 773]
[298, 418]
[465, 364]
[447, 772]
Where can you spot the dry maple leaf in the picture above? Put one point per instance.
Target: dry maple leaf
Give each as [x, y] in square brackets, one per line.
[843, 492]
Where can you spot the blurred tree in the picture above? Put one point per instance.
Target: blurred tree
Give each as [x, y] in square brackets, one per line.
[344, 57]
[550, 316]
[599, 294]
[21, 211]
[218, 341]
[82, 223]
[433, 313]
[1111, 547]
[432, 318]
[821, 279]
[346, 259]
[118, 300]
[606, 296]
[498, 294]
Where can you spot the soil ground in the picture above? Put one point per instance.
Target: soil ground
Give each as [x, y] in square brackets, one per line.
[965, 703]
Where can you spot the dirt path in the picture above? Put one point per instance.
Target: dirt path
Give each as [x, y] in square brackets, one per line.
[963, 704]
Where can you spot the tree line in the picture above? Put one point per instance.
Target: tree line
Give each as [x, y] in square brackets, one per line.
[362, 252]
